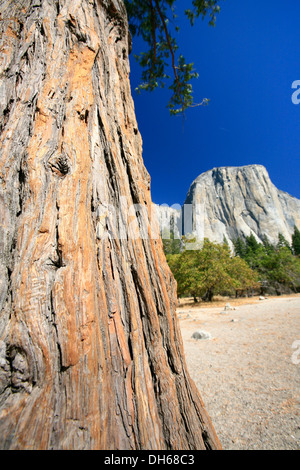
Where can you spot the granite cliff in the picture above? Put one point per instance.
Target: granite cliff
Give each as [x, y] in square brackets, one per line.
[234, 202]
[91, 355]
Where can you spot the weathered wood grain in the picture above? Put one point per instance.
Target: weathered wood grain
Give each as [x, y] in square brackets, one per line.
[91, 354]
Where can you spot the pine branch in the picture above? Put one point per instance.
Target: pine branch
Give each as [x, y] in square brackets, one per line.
[171, 51]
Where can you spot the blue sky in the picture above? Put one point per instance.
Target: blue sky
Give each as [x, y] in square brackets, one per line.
[247, 65]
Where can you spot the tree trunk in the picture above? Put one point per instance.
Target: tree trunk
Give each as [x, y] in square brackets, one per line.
[91, 355]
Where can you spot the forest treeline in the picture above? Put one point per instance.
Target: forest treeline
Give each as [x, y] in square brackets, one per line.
[203, 270]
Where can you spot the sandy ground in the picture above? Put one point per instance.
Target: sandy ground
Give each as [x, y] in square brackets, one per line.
[248, 372]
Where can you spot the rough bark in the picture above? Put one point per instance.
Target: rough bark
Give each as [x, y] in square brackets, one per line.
[91, 355]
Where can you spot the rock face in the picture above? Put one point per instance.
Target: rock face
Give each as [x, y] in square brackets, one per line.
[91, 355]
[169, 219]
[236, 202]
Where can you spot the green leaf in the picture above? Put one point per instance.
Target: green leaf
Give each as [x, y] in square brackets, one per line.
[153, 20]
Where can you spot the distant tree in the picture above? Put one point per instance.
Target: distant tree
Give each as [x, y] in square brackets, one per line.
[283, 243]
[182, 269]
[268, 246]
[275, 265]
[209, 271]
[155, 22]
[252, 244]
[171, 244]
[190, 242]
[255, 256]
[225, 241]
[281, 270]
[296, 241]
[240, 247]
[243, 278]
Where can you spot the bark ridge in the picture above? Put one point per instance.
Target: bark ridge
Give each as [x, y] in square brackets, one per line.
[91, 355]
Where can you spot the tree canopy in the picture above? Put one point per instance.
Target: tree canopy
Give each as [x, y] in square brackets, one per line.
[155, 22]
[206, 269]
[278, 268]
[296, 241]
[211, 270]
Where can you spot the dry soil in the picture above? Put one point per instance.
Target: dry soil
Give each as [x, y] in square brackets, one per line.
[248, 372]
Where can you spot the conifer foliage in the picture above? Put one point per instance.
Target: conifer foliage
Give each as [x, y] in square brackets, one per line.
[296, 241]
[155, 22]
[205, 269]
